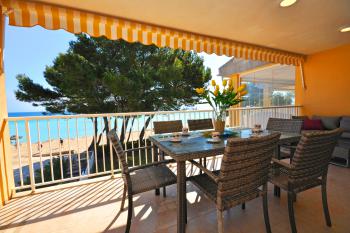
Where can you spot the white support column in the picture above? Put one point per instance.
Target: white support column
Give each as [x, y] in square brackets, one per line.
[6, 174]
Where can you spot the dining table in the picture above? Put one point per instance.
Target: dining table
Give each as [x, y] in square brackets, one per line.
[198, 145]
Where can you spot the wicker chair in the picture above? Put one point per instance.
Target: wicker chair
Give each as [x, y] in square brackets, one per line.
[140, 179]
[300, 117]
[308, 169]
[284, 125]
[244, 170]
[200, 124]
[167, 126]
[288, 126]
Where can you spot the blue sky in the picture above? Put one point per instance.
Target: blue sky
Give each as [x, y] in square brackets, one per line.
[29, 50]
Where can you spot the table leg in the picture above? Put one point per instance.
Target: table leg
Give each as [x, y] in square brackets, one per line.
[155, 159]
[181, 196]
[276, 189]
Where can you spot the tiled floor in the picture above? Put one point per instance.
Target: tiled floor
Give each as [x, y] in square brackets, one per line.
[94, 208]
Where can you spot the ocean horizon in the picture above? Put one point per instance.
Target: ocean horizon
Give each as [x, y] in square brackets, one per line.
[50, 129]
[70, 128]
[24, 114]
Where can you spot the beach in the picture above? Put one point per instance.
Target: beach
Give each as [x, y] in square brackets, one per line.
[43, 150]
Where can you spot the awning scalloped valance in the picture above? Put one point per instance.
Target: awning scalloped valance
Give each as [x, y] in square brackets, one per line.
[27, 14]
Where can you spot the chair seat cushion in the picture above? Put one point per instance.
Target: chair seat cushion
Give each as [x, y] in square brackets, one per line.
[281, 180]
[209, 188]
[150, 178]
[346, 135]
[341, 152]
[344, 142]
[345, 123]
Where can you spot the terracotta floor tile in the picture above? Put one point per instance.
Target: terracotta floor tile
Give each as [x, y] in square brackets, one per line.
[93, 208]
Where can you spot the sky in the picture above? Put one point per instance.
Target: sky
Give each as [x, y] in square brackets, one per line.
[29, 50]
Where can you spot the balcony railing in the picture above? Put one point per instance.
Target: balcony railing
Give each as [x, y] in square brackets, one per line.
[56, 149]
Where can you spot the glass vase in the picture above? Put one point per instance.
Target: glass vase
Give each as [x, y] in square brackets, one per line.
[219, 120]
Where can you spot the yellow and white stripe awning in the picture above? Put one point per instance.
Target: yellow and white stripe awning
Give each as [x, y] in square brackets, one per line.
[27, 14]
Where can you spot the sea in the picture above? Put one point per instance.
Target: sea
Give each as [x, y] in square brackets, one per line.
[44, 130]
[69, 128]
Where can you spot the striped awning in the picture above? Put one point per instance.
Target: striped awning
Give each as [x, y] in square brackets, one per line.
[27, 14]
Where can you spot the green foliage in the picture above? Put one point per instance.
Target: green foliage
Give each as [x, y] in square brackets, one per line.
[279, 99]
[47, 171]
[97, 75]
[255, 96]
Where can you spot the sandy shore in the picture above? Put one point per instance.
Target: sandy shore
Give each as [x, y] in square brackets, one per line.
[21, 155]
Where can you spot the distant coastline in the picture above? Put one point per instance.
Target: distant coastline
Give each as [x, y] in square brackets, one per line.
[25, 114]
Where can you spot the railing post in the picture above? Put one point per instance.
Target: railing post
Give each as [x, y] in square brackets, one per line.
[30, 152]
[110, 147]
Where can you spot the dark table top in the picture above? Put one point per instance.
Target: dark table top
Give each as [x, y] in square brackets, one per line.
[196, 145]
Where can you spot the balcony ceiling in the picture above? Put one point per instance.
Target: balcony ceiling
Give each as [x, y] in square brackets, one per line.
[307, 27]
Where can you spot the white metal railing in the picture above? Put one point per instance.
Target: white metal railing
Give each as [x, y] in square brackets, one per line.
[248, 117]
[54, 149]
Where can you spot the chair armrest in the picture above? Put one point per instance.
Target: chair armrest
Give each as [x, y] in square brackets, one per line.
[206, 171]
[281, 163]
[151, 165]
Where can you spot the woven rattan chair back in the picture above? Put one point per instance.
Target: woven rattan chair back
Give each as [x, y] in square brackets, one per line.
[167, 126]
[312, 155]
[285, 125]
[200, 124]
[245, 165]
[113, 136]
[300, 117]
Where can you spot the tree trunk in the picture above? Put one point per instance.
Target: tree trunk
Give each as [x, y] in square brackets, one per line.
[123, 130]
[132, 124]
[91, 147]
[106, 129]
[143, 131]
[99, 136]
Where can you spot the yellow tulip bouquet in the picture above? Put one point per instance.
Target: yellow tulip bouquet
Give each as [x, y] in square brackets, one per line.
[221, 100]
